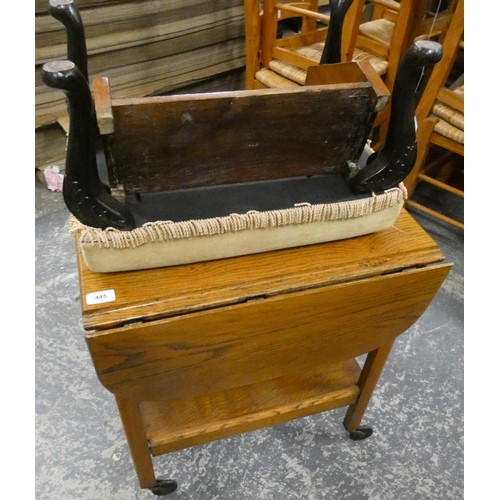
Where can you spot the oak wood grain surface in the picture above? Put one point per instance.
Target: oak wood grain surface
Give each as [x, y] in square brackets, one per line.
[218, 349]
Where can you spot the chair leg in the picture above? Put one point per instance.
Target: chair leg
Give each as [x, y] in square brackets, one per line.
[252, 36]
[424, 133]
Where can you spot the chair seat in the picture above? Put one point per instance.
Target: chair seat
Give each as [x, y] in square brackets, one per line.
[273, 80]
[446, 129]
[379, 64]
[283, 74]
[312, 51]
[289, 71]
[451, 121]
[380, 30]
[448, 114]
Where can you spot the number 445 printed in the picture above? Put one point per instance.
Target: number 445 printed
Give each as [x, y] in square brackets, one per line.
[100, 297]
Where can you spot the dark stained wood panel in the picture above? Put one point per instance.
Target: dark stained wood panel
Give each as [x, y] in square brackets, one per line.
[203, 140]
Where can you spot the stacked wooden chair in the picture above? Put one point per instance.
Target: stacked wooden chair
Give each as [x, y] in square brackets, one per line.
[281, 61]
[382, 40]
[337, 36]
[440, 118]
[392, 28]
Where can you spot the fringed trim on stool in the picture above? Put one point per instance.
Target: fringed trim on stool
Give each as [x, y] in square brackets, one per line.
[302, 213]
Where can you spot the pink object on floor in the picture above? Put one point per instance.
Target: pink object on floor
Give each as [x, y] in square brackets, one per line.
[53, 178]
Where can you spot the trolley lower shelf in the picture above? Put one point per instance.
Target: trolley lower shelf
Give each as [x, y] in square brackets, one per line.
[178, 424]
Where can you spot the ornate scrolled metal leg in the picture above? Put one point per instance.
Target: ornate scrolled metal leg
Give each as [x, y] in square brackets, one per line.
[332, 53]
[390, 166]
[67, 13]
[86, 197]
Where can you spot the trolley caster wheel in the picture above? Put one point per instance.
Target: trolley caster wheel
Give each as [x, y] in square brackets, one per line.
[163, 487]
[360, 433]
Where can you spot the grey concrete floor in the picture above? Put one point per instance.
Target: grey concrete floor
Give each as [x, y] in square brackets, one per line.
[417, 412]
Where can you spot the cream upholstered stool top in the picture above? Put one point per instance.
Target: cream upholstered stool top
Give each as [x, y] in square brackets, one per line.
[165, 243]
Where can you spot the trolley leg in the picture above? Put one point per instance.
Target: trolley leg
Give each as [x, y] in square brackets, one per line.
[133, 426]
[368, 379]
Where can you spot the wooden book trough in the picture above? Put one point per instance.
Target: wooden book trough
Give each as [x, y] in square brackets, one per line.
[160, 181]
